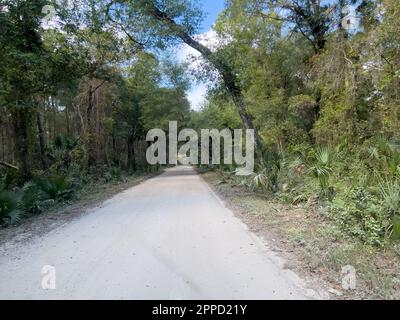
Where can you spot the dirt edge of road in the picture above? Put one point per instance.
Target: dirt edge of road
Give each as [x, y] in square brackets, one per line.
[39, 225]
[312, 246]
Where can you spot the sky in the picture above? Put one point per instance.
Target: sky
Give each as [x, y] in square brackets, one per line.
[198, 91]
[212, 8]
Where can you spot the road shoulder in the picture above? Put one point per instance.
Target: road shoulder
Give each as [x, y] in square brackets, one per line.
[311, 245]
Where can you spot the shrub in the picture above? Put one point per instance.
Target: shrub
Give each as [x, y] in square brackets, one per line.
[390, 192]
[9, 208]
[113, 174]
[362, 214]
[320, 167]
[56, 187]
[260, 181]
[7, 179]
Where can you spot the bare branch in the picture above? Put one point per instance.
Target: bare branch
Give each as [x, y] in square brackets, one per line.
[5, 164]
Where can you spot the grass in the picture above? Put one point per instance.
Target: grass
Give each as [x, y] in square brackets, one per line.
[313, 245]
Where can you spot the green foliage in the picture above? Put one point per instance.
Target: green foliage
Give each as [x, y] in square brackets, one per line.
[325, 103]
[384, 156]
[390, 192]
[320, 167]
[362, 214]
[63, 143]
[113, 174]
[7, 180]
[260, 181]
[396, 228]
[32, 198]
[55, 188]
[10, 212]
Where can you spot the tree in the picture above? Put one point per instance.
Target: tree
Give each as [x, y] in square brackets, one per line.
[311, 18]
[22, 68]
[99, 50]
[162, 20]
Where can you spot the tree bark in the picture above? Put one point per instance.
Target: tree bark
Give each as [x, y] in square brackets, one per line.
[3, 143]
[67, 121]
[20, 116]
[115, 155]
[90, 130]
[54, 109]
[41, 136]
[131, 163]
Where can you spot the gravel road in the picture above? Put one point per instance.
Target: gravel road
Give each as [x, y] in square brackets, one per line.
[170, 237]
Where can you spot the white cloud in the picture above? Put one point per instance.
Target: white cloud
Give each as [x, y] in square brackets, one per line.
[197, 96]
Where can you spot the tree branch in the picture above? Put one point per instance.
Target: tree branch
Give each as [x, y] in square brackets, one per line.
[5, 164]
[228, 75]
[140, 44]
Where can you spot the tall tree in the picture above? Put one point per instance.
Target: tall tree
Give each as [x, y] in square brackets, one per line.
[22, 67]
[178, 20]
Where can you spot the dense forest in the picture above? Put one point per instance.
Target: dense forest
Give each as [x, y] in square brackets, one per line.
[319, 81]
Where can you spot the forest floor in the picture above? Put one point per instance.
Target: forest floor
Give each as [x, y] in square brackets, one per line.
[313, 246]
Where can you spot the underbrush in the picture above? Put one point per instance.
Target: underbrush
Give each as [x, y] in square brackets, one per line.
[358, 189]
[50, 190]
[66, 178]
[312, 242]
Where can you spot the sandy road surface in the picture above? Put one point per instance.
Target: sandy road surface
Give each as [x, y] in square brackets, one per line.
[167, 238]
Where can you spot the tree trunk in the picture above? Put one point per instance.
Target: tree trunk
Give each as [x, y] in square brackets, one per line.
[42, 142]
[131, 163]
[90, 127]
[91, 149]
[67, 121]
[3, 143]
[21, 118]
[53, 104]
[115, 155]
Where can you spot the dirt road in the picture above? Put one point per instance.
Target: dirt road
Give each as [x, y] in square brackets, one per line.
[167, 238]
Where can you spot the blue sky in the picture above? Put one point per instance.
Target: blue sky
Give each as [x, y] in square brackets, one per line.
[212, 8]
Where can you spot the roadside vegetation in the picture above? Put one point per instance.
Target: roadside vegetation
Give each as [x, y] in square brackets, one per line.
[76, 101]
[47, 193]
[313, 245]
[325, 101]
